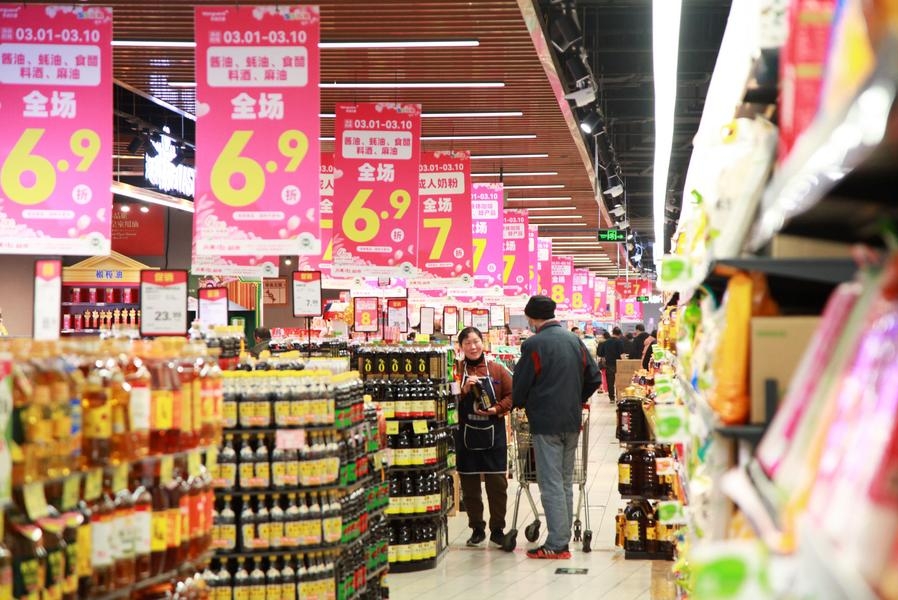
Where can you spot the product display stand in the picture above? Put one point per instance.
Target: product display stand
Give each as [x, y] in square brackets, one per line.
[412, 386]
[300, 497]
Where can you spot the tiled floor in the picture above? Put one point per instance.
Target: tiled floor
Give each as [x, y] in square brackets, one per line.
[491, 573]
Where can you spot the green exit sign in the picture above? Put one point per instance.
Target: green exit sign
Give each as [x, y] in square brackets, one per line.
[642, 298]
[612, 235]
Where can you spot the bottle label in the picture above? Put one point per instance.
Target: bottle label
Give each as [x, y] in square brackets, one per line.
[227, 472]
[248, 535]
[263, 472]
[247, 412]
[83, 541]
[71, 575]
[139, 408]
[623, 474]
[229, 413]
[174, 527]
[281, 411]
[196, 401]
[264, 535]
[55, 568]
[100, 544]
[262, 413]
[186, 421]
[631, 531]
[142, 532]
[29, 574]
[257, 592]
[207, 396]
[279, 474]
[227, 534]
[177, 409]
[98, 422]
[288, 591]
[163, 410]
[333, 529]
[223, 593]
[159, 540]
[292, 529]
[276, 534]
[241, 592]
[650, 533]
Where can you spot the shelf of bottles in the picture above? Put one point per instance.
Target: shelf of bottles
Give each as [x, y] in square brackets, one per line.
[299, 492]
[647, 479]
[110, 448]
[412, 386]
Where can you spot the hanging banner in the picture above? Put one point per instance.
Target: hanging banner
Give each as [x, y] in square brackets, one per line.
[365, 314]
[611, 299]
[397, 314]
[581, 292]
[257, 122]
[163, 302]
[249, 267]
[532, 260]
[562, 282]
[628, 309]
[55, 106]
[376, 205]
[600, 298]
[544, 267]
[212, 306]
[450, 320]
[307, 294]
[487, 227]
[632, 288]
[515, 252]
[444, 230]
[326, 213]
[47, 298]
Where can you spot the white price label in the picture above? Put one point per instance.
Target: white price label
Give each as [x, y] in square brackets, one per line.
[307, 294]
[397, 315]
[47, 298]
[213, 306]
[163, 302]
[480, 320]
[427, 316]
[497, 315]
[450, 322]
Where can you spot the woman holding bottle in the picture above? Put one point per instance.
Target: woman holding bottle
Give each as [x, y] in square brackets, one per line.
[481, 445]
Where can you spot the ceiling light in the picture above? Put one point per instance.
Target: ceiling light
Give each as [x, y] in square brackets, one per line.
[124, 208]
[539, 198]
[541, 217]
[665, 48]
[577, 69]
[288, 261]
[491, 156]
[592, 122]
[503, 136]
[524, 174]
[182, 84]
[127, 156]
[382, 85]
[619, 210]
[603, 148]
[571, 237]
[564, 32]
[144, 209]
[615, 187]
[541, 208]
[321, 44]
[544, 186]
[455, 115]
[576, 224]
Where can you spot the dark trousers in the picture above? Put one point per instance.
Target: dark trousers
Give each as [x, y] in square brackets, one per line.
[496, 495]
[610, 374]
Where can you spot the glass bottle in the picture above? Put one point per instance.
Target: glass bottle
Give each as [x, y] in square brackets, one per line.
[263, 523]
[256, 581]
[625, 472]
[143, 530]
[278, 520]
[230, 400]
[247, 525]
[273, 581]
[227, 526]
[227, 465]
[288, 580]
[125, 565]
[262, 464]
[97, 409]
[224, 590]
[241, 581]
[247, 470]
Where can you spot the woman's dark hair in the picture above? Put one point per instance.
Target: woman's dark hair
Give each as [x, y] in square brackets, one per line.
[464, 333]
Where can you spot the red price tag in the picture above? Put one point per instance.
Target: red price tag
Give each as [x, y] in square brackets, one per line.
[365, 313]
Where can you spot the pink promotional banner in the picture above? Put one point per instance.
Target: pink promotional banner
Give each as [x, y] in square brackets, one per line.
[56, 110]
[628, 309]
[378, 150]
[562, 281]
[322, 261]
[445, 249]
[581, 292]
[515, 253]
[544, 268]
[600, 298]
[533, 259]
[257, 96]
[488, 230]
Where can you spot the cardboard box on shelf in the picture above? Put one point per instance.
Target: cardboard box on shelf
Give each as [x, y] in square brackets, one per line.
[777, 345]
[626, 367]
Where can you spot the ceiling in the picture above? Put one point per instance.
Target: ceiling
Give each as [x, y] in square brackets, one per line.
[617, 37]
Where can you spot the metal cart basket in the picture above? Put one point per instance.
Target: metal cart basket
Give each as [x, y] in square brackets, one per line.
[523, 465]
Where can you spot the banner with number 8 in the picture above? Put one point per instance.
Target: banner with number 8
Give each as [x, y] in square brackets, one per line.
[561, 288]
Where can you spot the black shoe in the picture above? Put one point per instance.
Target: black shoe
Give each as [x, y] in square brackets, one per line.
[477, 537]
[497, 538]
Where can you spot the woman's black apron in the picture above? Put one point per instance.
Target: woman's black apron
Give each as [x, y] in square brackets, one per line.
[480, 442]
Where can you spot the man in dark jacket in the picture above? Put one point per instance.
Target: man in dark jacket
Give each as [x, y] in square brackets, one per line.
[638, 344]
[612, 350]
[553, 378]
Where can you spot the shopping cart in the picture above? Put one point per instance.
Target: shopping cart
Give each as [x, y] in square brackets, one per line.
[524, 468]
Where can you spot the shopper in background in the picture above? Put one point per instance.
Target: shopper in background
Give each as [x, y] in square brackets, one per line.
[638, 344]
[628, 344]
[576, 331]
[481, 447]
[262, 338]
[649, 346]
[612, 350]
[600, 343]
[553, 378]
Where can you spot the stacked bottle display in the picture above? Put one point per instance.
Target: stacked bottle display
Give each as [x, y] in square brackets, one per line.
[640, 532]
[298, 496]
[646, 471]
[411, 384]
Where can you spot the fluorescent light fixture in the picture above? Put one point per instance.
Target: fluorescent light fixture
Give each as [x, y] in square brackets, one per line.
[541, 217]
[539, 199]
[490, 156]
[136, 193]
[665, 50]
[323, 44]
[544, 186]
[574, 224]
[445, 138]
[382, 85]
[541, 208]
[524, 174]
[561, 238]
[455, 115]
[128, 156]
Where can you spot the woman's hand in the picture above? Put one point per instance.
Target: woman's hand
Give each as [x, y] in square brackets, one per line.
[491, 412]
[468, 385]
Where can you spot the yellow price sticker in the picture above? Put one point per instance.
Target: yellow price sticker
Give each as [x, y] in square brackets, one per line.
[93, 484]
[120, 477]
[419, 426]
[193, 463]
[71, 490]
[166, 469]
[292, 144]
[392, 428]
[35, 500]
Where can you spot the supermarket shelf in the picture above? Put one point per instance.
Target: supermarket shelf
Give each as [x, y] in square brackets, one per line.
[294, 489]
[275, 429]
[749, 433]
[378, 572]
[630, 555]
[262, 552]
[418, 565]
[440, 467]
[822, 270]
[102, 304]
[823, 574]
[187, 568]
[430, 515]
[644, 497]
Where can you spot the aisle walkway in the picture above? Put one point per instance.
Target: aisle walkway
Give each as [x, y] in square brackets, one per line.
[467, 573]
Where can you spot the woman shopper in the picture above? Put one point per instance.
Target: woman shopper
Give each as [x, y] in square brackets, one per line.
[480, 441]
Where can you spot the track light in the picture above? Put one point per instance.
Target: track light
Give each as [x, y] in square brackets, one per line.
[622, 224]
[618, 211]
[135, 145]
[592, 122]
[564, 32]
[577, 69]
[603, 148]
[615, 186]
[151, 151]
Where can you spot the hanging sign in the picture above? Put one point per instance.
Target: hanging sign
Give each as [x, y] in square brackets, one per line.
[47, 298]
[480, 318]
[212, 306]
[250, 267]
[426, 320]
[397, 314]
[376, 205]
[631, 288]
[515, 252]
[562, 281]
[544, 268]
[326, 212]
[581, 292]
[487, 228]
[600, 299]
[444, 230]
[307, 294]
[450, 320]
[365, 314]
[466, 318]
[163, 302]
[629, 309]
[55, 106]
[257, 95]
[532, 260]
[497, 315]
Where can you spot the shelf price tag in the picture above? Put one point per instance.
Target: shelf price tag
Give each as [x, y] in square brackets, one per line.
[35, 500]
[450, 320]
[47, 298]
[307, 294]
[397, 314]
[365, 314]
[376, 212]
[212, 306]
[71, 491]
[497, 315]
[419, 426]
[93, 484]
[56, 104]
[392, 427]
[163, 302]
[480, 318]
[257, 70]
